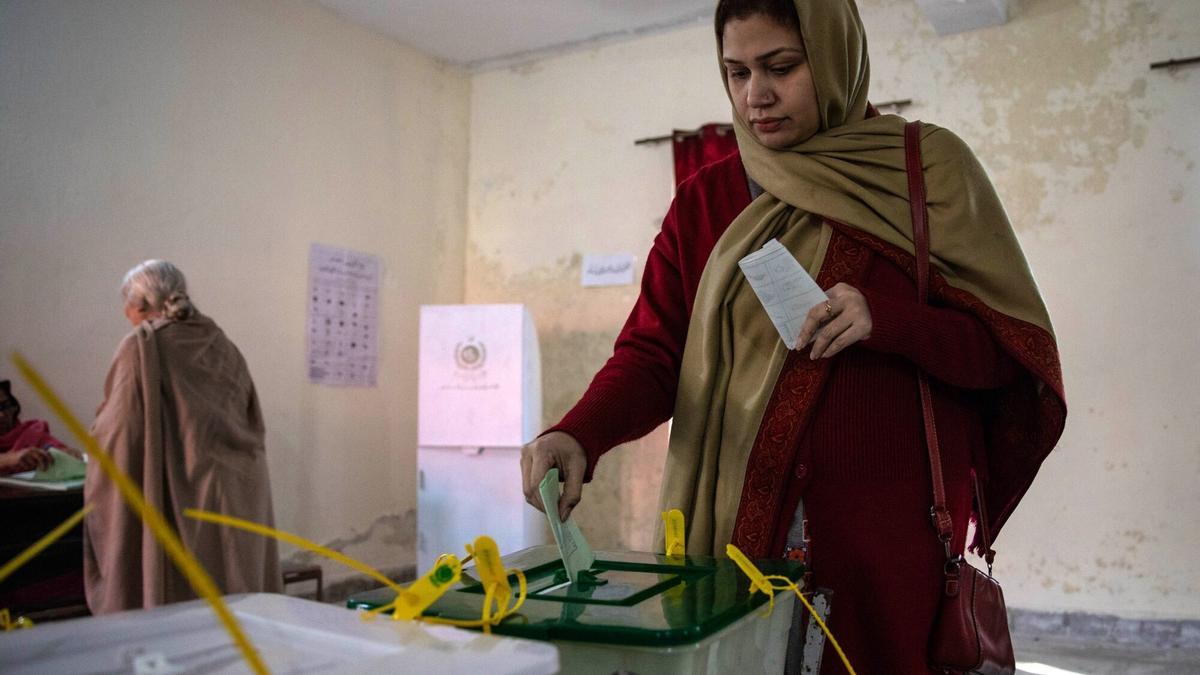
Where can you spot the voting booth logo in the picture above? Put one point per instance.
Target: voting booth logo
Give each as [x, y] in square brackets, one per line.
[470, 355]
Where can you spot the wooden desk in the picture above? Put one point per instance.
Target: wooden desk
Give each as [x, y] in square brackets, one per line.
[54, 579]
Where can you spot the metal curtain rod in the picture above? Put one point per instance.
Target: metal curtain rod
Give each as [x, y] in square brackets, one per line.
[1174, 62]
[681, 134]
[900, 103]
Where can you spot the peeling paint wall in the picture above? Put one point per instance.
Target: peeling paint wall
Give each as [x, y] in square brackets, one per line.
[554, 175]
[226, 136]
[1095, 157]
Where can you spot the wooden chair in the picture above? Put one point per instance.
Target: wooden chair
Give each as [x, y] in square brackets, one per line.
[295, 572]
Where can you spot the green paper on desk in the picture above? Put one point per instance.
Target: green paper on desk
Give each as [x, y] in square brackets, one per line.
[576, 555]
[65, 467]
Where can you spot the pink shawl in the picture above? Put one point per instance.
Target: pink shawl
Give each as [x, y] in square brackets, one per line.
[31, 434]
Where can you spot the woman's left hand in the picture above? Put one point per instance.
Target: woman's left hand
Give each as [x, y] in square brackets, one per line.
[832, 326]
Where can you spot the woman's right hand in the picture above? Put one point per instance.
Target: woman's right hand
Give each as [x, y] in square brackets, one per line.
[27, 459]
[555, 449]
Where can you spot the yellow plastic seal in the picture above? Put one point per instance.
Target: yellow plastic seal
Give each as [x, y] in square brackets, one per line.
[491, 573]
[673, 525]
[7, 624]
[775, 582]
[423, 592]
[758, 581]
[497, 591]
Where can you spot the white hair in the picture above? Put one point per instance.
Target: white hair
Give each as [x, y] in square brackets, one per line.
[158, 286]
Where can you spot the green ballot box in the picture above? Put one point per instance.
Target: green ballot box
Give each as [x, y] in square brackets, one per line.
[636, 612]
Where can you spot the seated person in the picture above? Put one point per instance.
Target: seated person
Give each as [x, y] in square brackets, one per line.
[24, 446]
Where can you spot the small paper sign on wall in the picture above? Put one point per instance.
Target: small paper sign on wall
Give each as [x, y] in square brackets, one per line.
[607, 270]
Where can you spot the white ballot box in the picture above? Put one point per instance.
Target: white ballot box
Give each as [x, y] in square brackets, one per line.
[480, 400]
[291, 635]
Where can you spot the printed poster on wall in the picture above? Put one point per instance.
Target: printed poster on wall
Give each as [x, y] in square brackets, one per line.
[343, 316]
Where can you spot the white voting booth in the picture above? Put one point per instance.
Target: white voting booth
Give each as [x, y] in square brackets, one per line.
[480, 400]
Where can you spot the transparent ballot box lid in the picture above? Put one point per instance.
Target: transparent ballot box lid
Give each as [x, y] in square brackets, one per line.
[638, 599]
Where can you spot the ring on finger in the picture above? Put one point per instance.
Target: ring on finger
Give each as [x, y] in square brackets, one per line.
[828, 311]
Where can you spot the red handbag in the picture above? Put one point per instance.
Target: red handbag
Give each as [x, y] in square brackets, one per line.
[970, 634]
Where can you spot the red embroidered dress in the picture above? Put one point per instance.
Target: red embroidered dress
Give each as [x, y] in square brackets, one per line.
[845, 433]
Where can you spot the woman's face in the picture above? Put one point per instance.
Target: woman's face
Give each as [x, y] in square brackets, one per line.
[769, 81]
[8, 413]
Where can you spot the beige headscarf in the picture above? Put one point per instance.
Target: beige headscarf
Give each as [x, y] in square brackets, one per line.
[852, 171]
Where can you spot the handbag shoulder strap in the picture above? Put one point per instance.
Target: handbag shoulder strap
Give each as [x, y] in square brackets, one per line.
[920, 222]
[940, 514]
[989, 555]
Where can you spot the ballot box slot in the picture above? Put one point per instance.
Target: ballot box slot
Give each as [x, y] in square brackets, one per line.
[612, 582]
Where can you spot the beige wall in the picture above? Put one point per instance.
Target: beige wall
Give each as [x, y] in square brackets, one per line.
[1095, 157]
[554, 175]
[228, 136]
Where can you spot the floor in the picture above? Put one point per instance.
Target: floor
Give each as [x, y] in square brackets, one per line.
[1058, 656]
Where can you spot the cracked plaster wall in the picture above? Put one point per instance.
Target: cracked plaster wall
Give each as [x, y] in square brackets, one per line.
[226, 136]
[1095, 157]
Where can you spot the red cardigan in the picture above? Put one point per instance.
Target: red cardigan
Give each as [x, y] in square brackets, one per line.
[635, 390]
[843, 433]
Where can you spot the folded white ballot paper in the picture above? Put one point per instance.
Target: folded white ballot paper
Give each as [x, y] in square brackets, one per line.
[576, 555]
[784, 288]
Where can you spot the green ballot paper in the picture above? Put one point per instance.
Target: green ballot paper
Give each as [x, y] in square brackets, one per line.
[64, 468]
[576, 555]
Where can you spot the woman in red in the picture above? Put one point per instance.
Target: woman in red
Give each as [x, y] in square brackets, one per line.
[765, 437]
[24, 446]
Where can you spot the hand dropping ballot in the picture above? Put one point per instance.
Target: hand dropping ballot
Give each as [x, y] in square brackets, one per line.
[785, 289]
[576, 555]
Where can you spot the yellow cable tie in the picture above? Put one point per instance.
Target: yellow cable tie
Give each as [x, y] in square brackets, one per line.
[295, 540]
[759, 581]
[495, 619]
[7, 624]
[199, 580]
[489, 619]
[41, 544]
[491, 575]
[521, 592]
[416, 597]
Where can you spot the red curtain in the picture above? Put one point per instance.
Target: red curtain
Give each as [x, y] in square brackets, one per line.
[694, 149]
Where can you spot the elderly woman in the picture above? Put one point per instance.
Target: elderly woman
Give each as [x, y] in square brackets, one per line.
[821, 453]
[181, 418]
